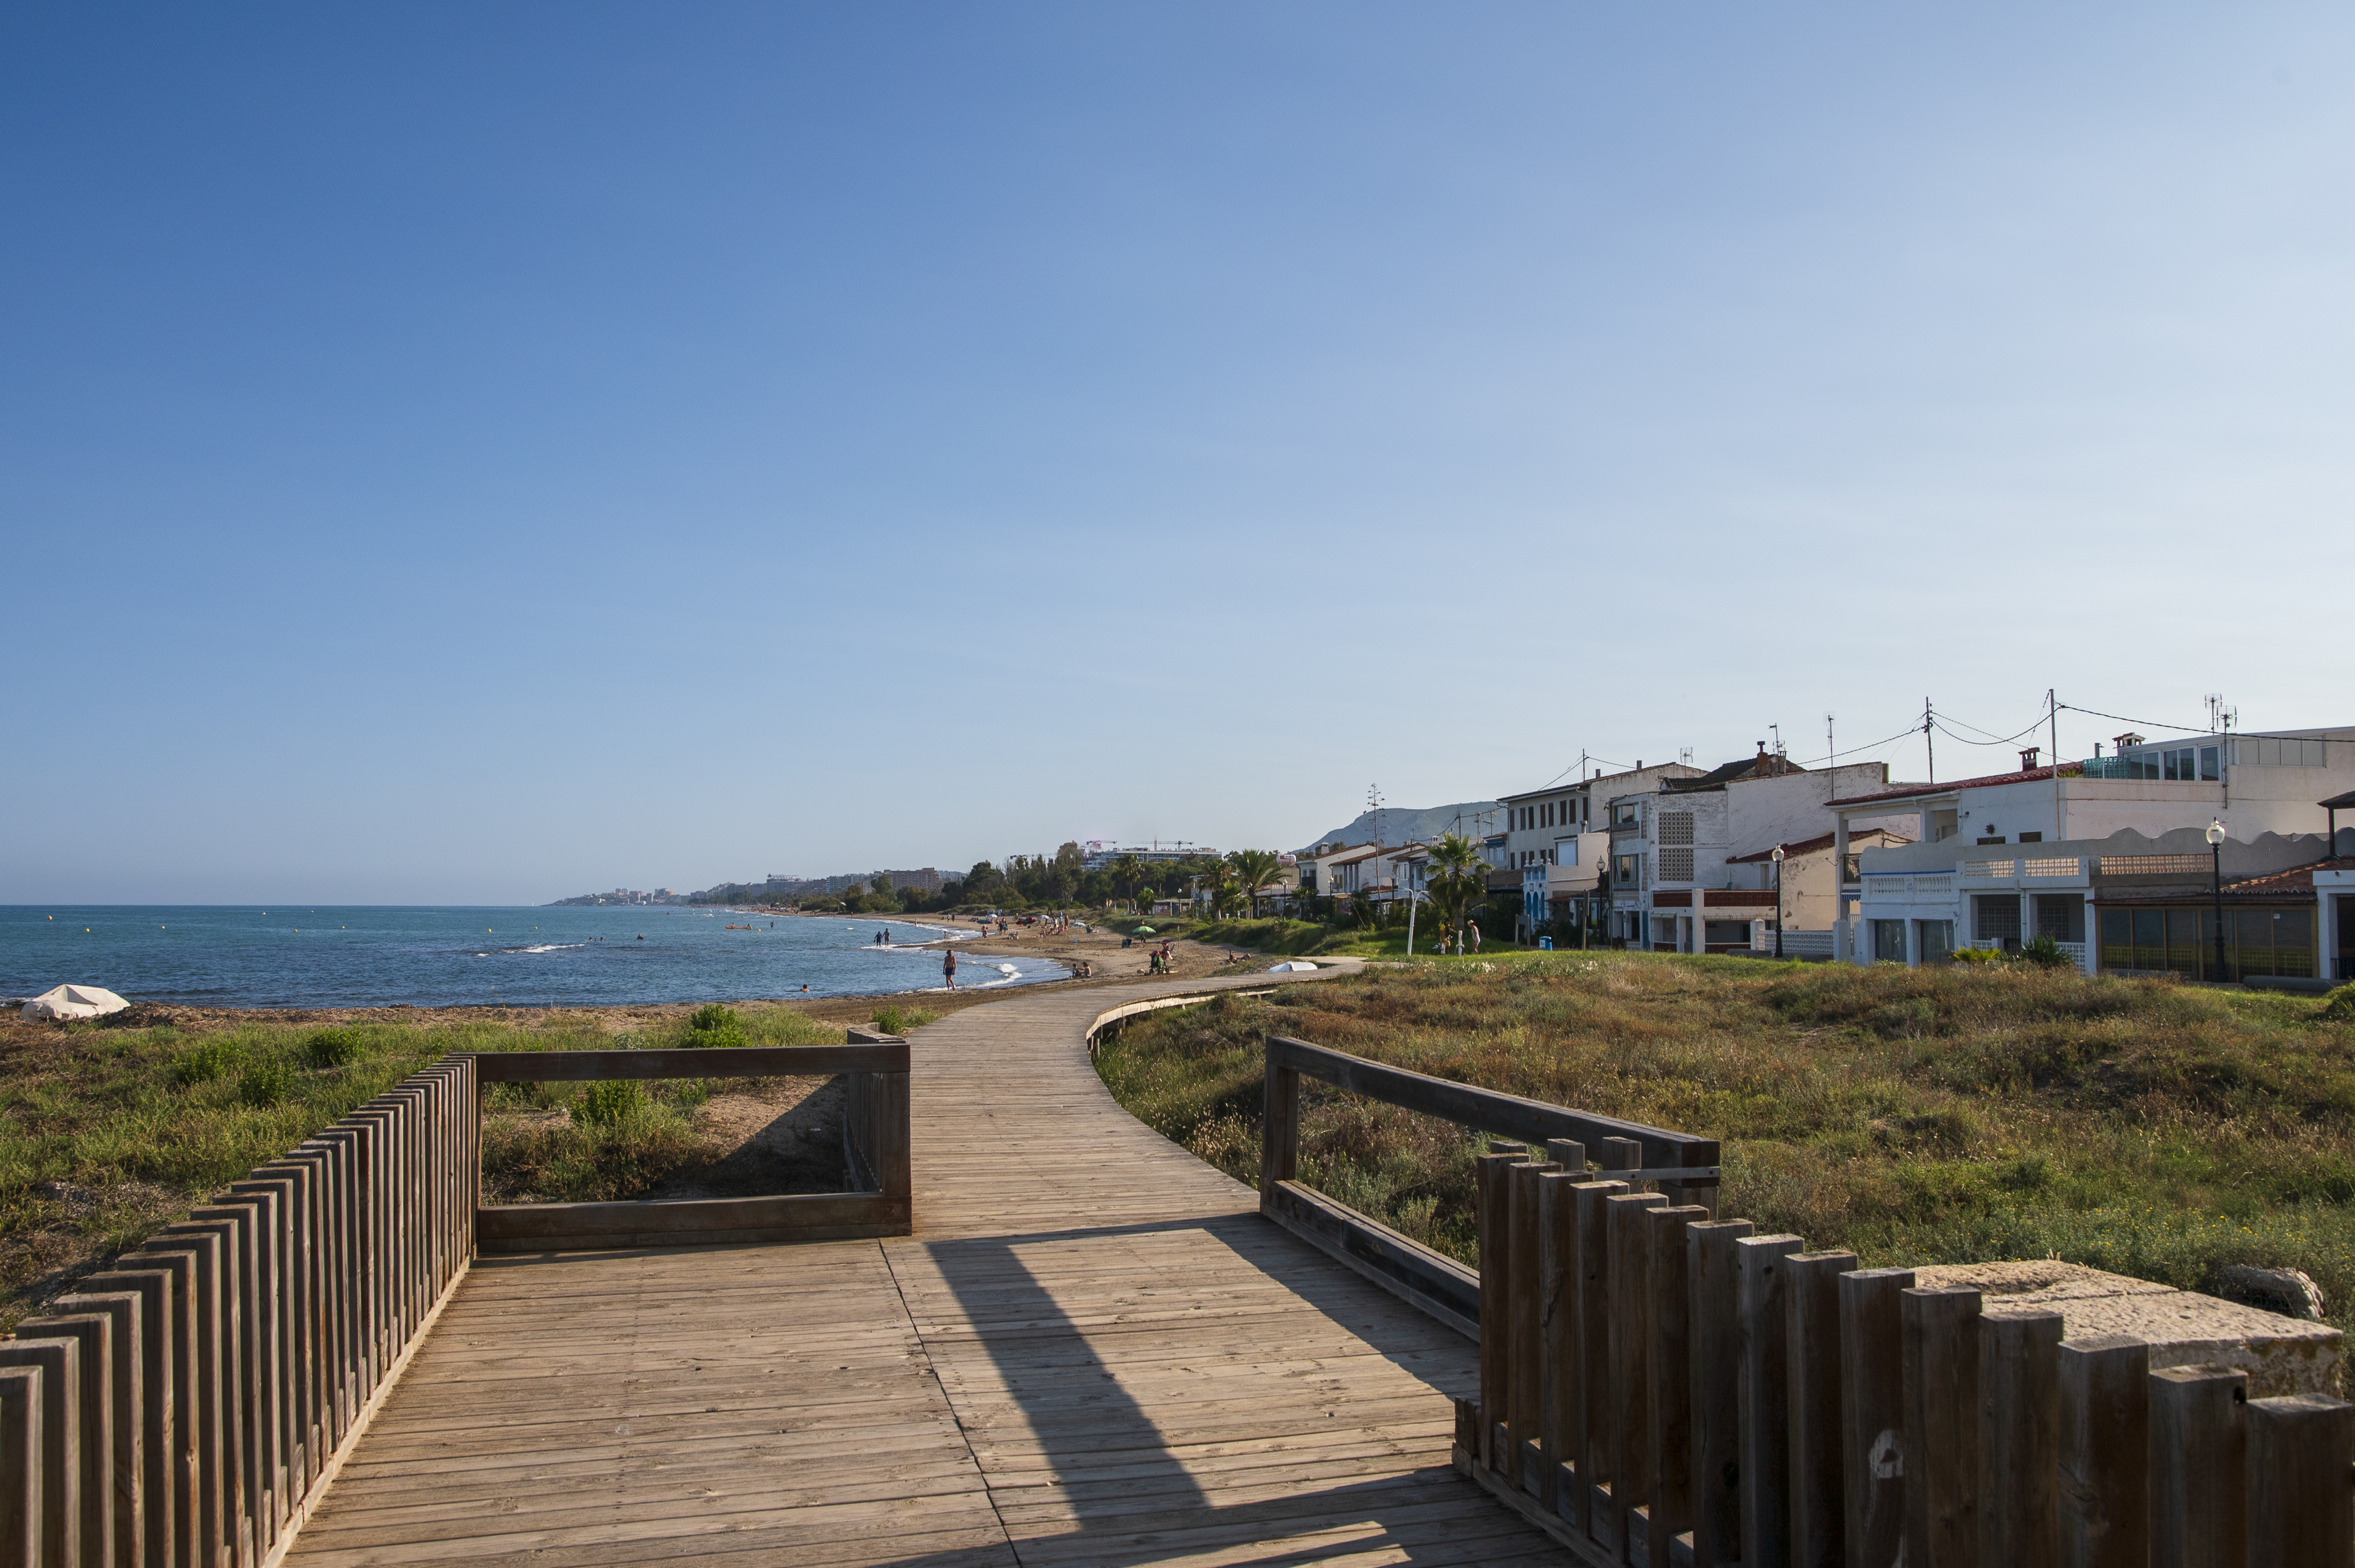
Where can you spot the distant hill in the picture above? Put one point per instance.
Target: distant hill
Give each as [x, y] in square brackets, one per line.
[1403, 824]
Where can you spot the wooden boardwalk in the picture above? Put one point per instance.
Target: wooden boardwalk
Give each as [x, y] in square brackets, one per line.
[1093, 1351]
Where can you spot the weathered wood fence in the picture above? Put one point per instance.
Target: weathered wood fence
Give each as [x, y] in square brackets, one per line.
[186, 1407]
[1683, 1165]
[1661, 1387]
[875, 1152]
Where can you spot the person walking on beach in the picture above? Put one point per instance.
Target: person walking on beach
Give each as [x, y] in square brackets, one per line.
[1474, 926]
[948, 968]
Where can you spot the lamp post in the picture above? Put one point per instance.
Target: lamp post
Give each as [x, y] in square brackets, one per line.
[1777, 858]
[2216, 871]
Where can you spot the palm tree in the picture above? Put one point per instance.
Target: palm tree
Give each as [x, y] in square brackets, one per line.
[1128, 875]
[1255, 869]
[1458, 876]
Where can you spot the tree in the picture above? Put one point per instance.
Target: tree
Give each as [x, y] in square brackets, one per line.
[1130, 875]
[1458, 877]
[883, 885]
[1254, 869]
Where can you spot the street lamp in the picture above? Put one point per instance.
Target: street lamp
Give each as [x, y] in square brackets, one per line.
[1777, 858]
[2216, 871]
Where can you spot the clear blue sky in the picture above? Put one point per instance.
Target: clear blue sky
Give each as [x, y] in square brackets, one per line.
[487, 453]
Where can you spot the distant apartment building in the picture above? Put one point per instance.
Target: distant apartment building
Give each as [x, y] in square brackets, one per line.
[2110, 859]
[1102, 855]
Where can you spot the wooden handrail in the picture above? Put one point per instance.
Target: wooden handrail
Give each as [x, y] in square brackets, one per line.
[1684, 1166]
[878, 1054]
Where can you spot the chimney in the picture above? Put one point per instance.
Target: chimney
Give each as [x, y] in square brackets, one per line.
[2028, 757]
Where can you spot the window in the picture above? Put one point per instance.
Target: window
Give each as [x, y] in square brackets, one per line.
[2208, 772]
[1677, 827]
[1728, 934]
[1622, 872]
[1995, 918]
[2178, 763]
[1997, 840]
[1936, 939]
[2060, 915]
[1889, 941]
[2031, 838]
[1565, 852]
[1675, 864]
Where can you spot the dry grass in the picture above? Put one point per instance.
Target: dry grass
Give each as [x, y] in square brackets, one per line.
[108, 1133]
[1914, 1116]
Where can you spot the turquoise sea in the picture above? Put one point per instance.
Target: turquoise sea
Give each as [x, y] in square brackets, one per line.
[221, 956]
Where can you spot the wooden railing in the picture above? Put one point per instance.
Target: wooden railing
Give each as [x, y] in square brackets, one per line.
[1437, 1283]
[187, 1406]
[1660, 1387]
[875, 1152]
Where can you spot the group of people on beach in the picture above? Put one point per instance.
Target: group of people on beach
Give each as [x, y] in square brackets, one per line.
[1158, 961]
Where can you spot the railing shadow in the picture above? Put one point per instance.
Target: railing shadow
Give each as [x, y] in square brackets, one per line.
[1114, 1462]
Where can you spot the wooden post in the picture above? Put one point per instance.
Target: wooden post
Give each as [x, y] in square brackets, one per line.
[1942, 1428]
[1527, 1396]
[21, 1482]
[1597, 1416]
[93, 1335]
[1495, 1227]
[2104, 1467]
[126, 1415]
[2198, 1468]
[1763, 1287]
[2301, 1449]
[895, 1160]
[1814, 1363]
[248, 1373]
[1713, 1329]
[1618, 1154]
[1279, 1129]
[1557, 1432]
[1873, 1414]
[155, 1501]
[58, 1362]
[1631, 1366]
[203, 1436]
[1670, 1421]
[218, 1331]
[2019, 1439]
[183, 1472]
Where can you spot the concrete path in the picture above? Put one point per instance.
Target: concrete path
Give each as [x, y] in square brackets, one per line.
[1093, 1351]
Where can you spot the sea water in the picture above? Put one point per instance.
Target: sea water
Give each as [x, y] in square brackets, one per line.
[217, 956]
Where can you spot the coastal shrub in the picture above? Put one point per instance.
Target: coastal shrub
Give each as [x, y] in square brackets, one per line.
[2339, 1006]
[712, 1027]
[2044, 953]
[266, 1082]
[329, 1048]
[611, 1103]
[207, 1060]
[892, 1019]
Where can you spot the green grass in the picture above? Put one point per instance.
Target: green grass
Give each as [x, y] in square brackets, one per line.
[1914, 1116]
[893, 1019]
[107, 1134]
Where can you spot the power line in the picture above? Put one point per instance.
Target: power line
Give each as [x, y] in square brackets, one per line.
[2121, 718]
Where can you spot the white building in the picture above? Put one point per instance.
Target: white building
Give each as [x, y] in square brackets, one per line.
[2124, 832]
[1679, 849]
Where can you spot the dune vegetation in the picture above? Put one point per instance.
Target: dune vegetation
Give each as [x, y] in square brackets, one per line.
[108, 1132]
[1934, 1115]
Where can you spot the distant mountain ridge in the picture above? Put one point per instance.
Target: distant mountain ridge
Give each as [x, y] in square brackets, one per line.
[1411, 824]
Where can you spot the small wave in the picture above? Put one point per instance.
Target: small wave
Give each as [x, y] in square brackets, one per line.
[550, 948]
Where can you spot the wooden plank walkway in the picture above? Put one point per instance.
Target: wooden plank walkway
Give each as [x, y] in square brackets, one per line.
[1093, 1351]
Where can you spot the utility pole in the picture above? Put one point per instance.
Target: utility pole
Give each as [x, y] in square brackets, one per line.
[1928, 744]
[2052, 712]
[1832, 752]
